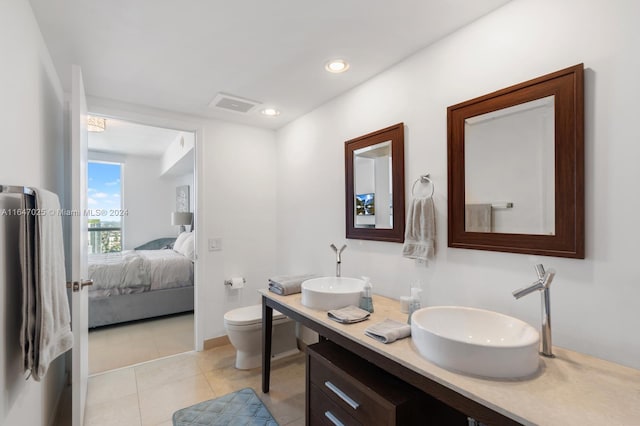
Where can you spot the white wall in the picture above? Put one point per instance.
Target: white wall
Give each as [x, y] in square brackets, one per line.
[238, 182]
[176, 152]
[31, 124]
[594, 301]
[149, 200]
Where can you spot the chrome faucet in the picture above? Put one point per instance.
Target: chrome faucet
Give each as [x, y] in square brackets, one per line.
[542, 284]
[338, 257]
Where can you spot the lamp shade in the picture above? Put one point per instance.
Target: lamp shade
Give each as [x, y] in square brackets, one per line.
[181, 218]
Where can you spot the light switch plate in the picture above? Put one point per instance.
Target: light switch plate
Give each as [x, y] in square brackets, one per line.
[215, 244]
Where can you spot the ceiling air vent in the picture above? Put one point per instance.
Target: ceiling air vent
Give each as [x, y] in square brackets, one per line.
[233, 103]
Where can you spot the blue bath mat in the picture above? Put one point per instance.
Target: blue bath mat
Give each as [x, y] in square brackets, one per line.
[238, 409]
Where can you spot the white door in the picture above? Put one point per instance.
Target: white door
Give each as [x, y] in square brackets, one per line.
[79, 246]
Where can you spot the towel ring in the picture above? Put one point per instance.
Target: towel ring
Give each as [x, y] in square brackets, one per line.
[423, 179]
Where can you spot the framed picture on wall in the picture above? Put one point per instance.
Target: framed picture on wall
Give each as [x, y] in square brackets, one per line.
[182, 198]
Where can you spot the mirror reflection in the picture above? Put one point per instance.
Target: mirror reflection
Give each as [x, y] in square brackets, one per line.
[373, 186]
[510, 169]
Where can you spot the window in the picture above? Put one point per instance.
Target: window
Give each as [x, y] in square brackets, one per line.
[104, 198]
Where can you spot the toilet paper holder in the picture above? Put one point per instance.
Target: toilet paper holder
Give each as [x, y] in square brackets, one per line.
[229, 282]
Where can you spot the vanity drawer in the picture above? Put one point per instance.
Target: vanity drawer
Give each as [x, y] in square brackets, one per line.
[323, 411]
[367, 393]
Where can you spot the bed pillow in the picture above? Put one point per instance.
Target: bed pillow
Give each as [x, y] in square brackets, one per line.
[189, 248]
[178, 245]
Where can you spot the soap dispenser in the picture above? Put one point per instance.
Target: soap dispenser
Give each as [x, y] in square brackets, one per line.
[366, 301]
[414, 302]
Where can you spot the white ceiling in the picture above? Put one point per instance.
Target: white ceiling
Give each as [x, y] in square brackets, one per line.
[177, 55]
[123, 137]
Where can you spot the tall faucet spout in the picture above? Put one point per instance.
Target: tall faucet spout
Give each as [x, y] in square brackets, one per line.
[542, 284]
[338, 257]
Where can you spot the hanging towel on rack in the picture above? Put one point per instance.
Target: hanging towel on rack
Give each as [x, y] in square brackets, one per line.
[46, 322]
[420, 231]
[477, 217]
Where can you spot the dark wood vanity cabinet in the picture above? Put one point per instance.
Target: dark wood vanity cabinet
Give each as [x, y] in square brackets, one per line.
[344, 389]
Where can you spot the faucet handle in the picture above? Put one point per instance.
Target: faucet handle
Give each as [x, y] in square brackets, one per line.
[548, 278]
[540, 271]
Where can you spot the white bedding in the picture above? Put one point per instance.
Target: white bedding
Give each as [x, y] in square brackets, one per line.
[135, 271]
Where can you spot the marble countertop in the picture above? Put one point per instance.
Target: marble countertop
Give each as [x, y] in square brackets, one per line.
[570, 389]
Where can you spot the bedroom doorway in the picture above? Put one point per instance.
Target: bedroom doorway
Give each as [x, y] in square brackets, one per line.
[141, 204]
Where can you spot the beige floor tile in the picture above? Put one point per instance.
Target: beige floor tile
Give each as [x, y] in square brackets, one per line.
[284, 406]
[123, 345]
[169, 370]
[165, 386]
[286, 397]
[108, 386]
[158, 404]
[227, 380]
[217, 358]
[122, 411]
[174, 344]
[121, 355]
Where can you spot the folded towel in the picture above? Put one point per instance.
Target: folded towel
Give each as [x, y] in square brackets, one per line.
[285, 285]
[388, 331]
[46, 329]
[477, 217]
[348, 315]
[420, 231]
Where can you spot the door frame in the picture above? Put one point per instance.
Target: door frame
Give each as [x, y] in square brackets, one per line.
[114, 110]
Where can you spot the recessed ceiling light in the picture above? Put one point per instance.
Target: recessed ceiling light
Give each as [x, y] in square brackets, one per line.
[270, 112]
[337, 66]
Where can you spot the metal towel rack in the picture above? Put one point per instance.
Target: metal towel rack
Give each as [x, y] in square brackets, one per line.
[11, 189]
[423, 179]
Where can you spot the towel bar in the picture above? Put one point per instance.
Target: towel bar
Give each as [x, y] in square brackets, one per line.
[11, 189]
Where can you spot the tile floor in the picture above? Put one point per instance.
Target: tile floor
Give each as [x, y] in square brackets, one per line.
[119, 346]
[149, 393]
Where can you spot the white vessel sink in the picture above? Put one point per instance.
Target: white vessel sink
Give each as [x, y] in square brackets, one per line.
[475, 341]
[328, 293]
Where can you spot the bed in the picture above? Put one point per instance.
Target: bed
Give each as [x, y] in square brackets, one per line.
[138, 284]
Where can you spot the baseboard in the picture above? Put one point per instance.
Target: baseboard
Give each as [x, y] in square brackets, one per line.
[216, 342]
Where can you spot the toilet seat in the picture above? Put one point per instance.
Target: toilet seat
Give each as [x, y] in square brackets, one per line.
[250, 315]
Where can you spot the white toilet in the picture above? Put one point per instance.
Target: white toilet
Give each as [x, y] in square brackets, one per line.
[244, 328]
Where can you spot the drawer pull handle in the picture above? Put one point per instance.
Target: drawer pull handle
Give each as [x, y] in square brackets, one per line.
[334, 419]
[343, 396]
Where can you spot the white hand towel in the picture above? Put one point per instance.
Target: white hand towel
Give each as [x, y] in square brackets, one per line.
[348, 315]
[420, 231]
[46, 331]
[285, 285]
[388, 331]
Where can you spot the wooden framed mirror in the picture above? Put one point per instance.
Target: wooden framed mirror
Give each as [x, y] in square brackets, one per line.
[374, 185]
[516, 168]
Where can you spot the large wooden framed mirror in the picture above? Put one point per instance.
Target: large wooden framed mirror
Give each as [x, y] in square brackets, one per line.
[516, 168]
[374, 185]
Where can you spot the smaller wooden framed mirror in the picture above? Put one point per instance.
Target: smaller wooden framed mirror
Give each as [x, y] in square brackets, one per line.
[374, 185]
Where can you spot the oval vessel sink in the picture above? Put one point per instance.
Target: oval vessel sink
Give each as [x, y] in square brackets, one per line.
[476, 341]
[328, 293]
